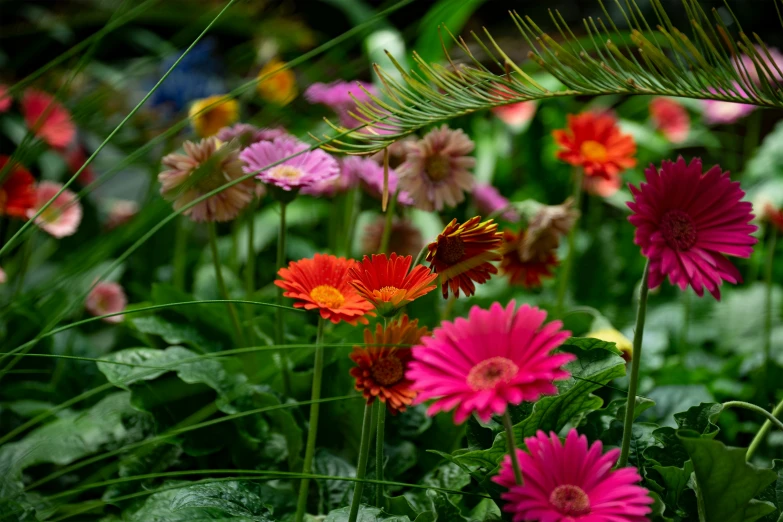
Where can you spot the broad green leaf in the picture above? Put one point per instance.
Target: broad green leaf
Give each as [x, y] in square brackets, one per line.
[700, 419]
[641, 439]
[590, 343]
[673, 479]
[174, 333]
[670, 451]
[366, 514]
[725, 484]
[334, 493]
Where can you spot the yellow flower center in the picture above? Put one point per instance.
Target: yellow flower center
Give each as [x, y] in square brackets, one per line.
[287, 172]
[450, 249]
[50, 215]
[490, 372]
[327, 296]
[437, 167]
[570, 500]
[593, 151]
[388, 371]
[387, 292]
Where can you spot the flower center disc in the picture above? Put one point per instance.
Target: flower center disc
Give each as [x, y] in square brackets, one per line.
[287, 172]
[450, 249]
[388, 292]
[570, 500]
[488, 373]
[437, 167]
[388, 371]
[678, 229]
[593, 151]
[327, 296]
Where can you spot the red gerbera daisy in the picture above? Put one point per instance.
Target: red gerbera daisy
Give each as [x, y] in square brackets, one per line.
[381, 364]
[17, 193]
[388, 285]
[324, 283]
[595, 143]
[774, 215]
[47, 119]
[687, 222]
[462, 255]
[525, 273]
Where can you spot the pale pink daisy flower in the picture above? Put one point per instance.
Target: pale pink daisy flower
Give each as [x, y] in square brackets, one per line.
[370, 176]
[206, 166]
[107, 298]
[488, 200]
[339, 96]
[572, 482]
[47, 118]
[603, 187]
[63, 216]
[5, 99]
[120, 212]
[301, 171]
[435, 171]
[346, 179]
[516, 115]
[718, 112]
[775, 66]
[491, 359]
[671, 118]
[687, 222]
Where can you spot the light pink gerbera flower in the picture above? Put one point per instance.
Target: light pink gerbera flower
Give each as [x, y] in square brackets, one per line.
[775, 65]
[435, 171]
[671, 118]
[339, 96]
[206, 166]
[516, 115]
[47, 119]
[107, 298]
[686, 222]
[491, 359]
[306, 169]
[603, 187]
[488, 201]
[120, 212]
[718, 112]
[369, 174]
[63, 216]
[572, 482]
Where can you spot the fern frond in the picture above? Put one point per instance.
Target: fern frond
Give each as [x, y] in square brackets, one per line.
[658, 59]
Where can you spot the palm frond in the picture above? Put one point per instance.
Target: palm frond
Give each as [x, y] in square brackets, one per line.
[662, 61]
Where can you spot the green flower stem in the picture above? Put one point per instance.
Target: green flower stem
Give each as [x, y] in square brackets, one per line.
[565, 273]
[686, 319]
[773, 236]
[250, 264]
[379, 454]
[180, 253]
[512, 447]
[353, 200]
[222, 284]
[280, 325]
[387, 228]
[24, 263]
[361, 468]
[633, 383]
[756, 442]
[312, 431]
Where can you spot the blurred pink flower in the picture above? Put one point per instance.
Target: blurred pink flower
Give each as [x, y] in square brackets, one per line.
[435, 172]
[601, 186]
[488, 201]
[370, 175]
[337, 96]
[514, 114]
[3, 277]
[120, 212]
[48, 119]
[62, 217]
[248, 134]
[301, 171]
[671, 118]
[718, 112]
[775, 65]
[5, 99]
[75, 157]
[106, 298]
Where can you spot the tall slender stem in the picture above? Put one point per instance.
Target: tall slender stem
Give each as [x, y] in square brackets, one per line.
[771, 418]
[250, 265]
[756, 442]
[361, 467]
[280, 325]
[24, 264]
[379, 454]
[179, 263]
[512, 447]
[222, 284]
[352, 201]
[773, 236]
[686, 319]
[565, 273]
[633, 384]
[312, 431]
[387, 227]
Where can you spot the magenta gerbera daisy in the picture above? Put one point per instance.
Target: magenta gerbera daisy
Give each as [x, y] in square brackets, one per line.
[687, 222]
[571, 482]
[300, 171]
[491, 359]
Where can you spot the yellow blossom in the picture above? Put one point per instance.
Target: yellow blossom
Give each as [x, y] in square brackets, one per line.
[276, 87]
[209, 115]
[611, 335]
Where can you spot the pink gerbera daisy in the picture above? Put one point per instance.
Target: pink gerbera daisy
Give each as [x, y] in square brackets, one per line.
[106, 298]
[436, 169]
[341, 97]
[489, 200]
[687, 221]
[63, 216]
[306, 169]
[491, 359]
[248, 134]
[370, 176]
[719, 112]
[47, 119]
[572, 482]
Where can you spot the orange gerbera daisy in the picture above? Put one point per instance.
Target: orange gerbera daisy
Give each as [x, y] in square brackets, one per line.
[462, 254]
[323, 283]
[382, 364]
[17, 191]
[595, 143]
[524, 273]
[388, 285]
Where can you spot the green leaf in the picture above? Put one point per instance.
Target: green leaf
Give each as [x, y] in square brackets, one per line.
[725, 484]
[366, 514]
[174, 333]
[674, 481]
[700, 418]
[590, 343]
[334, 493]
